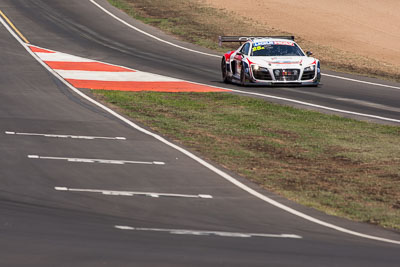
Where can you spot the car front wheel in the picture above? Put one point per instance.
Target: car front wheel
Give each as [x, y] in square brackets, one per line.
[224, 71]
[242, 77]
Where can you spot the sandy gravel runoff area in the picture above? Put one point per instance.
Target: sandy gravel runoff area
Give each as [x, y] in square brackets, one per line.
[368, 28]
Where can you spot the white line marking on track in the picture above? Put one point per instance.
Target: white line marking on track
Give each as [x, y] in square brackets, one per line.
[207, 233]
[197, 159]
[359, 81]
[66, 136]
[150, 35]
[132, 193]
[317, 106]
[103, 161]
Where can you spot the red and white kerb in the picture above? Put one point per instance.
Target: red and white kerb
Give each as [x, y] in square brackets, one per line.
[86, 73]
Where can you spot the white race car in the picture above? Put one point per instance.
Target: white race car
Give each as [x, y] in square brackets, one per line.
[273, 60]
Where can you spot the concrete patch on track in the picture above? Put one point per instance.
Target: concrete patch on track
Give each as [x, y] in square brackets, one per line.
[90, 74]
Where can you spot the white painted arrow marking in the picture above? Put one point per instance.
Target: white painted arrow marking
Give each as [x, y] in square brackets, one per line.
[104, 161]
[131, 193]
[208, 233]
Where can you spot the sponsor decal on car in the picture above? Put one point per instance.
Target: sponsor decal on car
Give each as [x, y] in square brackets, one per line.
[285, 62]
[263, 43]
[273, 43]
[228, 56]
[283, 43]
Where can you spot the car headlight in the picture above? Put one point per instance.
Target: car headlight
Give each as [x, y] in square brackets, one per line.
[310, 68]
[259, 68]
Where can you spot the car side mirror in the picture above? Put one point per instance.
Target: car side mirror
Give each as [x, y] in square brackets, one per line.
[309, 53]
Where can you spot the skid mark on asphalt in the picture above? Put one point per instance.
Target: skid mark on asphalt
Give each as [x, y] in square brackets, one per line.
[90, 74]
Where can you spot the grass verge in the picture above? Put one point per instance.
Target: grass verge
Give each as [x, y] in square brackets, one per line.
[193, 21]
[340, 166]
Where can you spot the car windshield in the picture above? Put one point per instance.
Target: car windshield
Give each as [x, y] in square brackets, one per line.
[271, 49]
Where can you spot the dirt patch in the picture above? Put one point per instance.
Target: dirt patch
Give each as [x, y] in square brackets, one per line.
[370, 28]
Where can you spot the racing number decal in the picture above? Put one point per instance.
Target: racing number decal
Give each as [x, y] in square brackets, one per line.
[257, 48]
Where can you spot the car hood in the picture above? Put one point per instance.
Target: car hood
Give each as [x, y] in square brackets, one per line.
[283, 62]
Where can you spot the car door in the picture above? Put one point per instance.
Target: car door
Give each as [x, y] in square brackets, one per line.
[238, 58]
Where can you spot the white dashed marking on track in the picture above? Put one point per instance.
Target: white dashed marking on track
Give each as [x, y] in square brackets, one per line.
[132, 193]
[207, 233]
[103, 161]
[66, 136]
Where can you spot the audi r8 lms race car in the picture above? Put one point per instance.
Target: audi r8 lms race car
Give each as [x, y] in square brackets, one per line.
[269, 60]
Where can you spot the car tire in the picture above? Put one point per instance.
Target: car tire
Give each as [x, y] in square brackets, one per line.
[224, 71]
[319, 72]
[318, 78]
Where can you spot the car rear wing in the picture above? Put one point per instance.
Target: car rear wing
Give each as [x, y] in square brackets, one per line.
[241, 39]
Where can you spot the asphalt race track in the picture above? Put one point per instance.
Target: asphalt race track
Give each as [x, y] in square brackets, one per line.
[113, 204]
